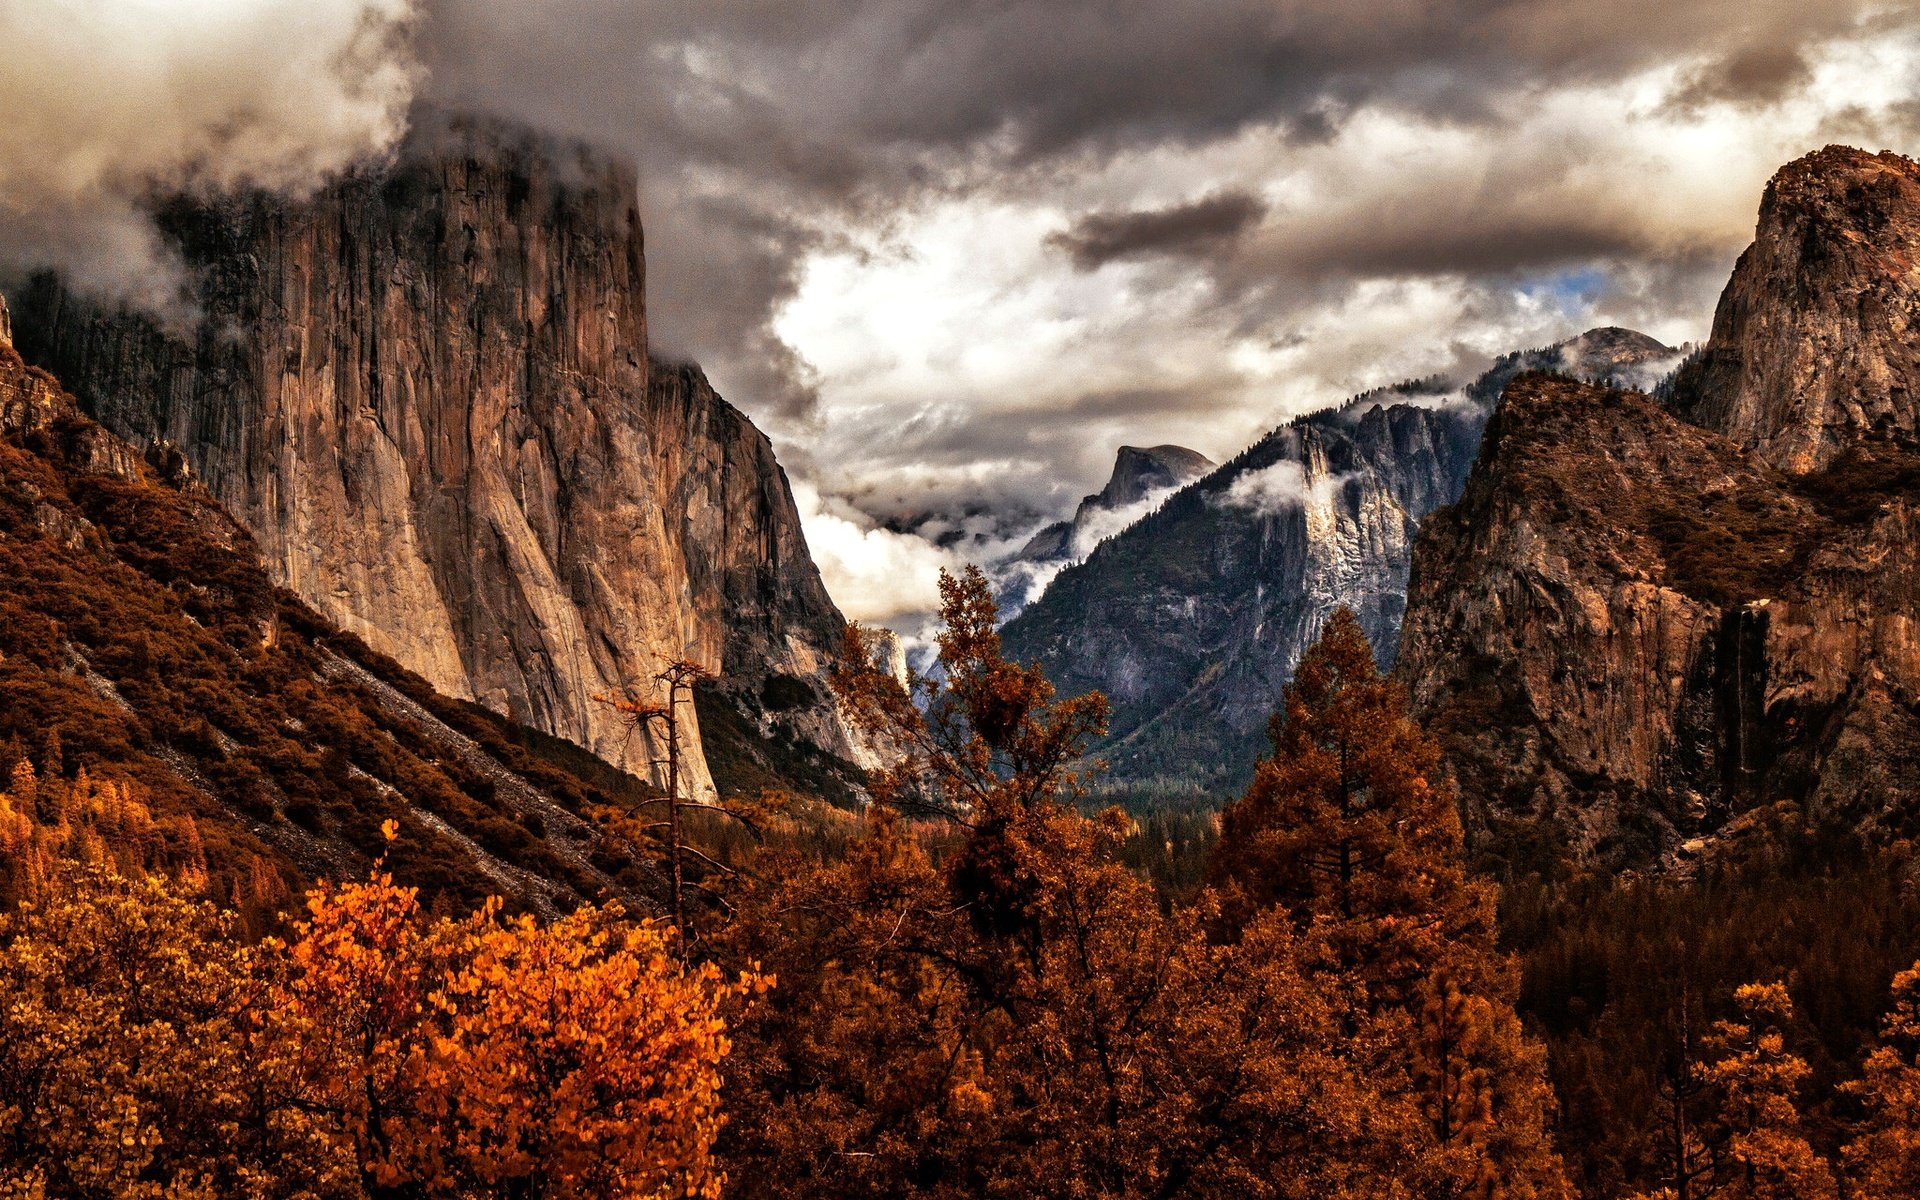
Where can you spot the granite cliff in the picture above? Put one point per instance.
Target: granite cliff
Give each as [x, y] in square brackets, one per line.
[1816, 340]
[1138, 474]
[427, 394]
[1643, 623]
[144, 649]
[1192, 619]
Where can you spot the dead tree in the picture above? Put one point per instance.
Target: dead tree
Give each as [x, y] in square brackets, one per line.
[679, 679]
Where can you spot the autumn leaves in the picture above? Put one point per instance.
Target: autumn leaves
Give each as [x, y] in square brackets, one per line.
[145, 1050]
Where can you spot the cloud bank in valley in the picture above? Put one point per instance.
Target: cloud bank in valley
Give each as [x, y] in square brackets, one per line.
[110, 102]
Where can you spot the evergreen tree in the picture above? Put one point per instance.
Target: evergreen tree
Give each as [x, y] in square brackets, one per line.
[1756, 1079]
[1021, 1017]
[1884, 1161]
[1351, 826]
[1751, 1145]
[1350, 830]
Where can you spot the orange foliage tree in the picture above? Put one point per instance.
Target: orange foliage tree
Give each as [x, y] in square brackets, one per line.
[141, 1053]
[1022, 1017]
[504, 1057]
[1350, 832]
[1750, 1144]
[146, 1049]
[1884, 1159]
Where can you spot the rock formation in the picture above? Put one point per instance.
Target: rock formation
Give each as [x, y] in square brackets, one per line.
[1817, 337]
[140, 635]
[1192, 619]
[1138, 473]
[1634, 630]
[427, 393]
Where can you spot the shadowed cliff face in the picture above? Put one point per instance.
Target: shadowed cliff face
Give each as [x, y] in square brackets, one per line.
[1192, 619]
[1634, 629]
[427, 393]
[1817, 337]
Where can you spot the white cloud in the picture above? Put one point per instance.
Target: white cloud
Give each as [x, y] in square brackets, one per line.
[107, 102]
[956, 349]
[1100, 524]
[873, 574]
[1279, 487]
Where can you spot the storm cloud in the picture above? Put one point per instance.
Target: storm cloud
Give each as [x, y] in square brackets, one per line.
[952, 252]
[108, 104]
[1198, 227]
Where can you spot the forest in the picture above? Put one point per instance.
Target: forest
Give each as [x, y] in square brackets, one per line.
[976, 985]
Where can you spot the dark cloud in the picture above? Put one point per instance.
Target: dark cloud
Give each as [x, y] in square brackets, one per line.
[1201, 227]
[760, 123]
[1754, 77]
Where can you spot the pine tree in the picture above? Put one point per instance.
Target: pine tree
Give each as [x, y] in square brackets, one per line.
[1754, 1147]
[1689, 1160]
[1756, 1080]
[1022, 1018]
[1351, 826]
[1884, 1161]
[1350, 829]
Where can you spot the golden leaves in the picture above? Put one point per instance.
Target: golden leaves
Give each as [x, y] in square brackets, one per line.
[145, 1051]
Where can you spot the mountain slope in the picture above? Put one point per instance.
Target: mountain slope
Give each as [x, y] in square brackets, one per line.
[142, 644]
[1635, 629]
[428, 395]
[1192, 619]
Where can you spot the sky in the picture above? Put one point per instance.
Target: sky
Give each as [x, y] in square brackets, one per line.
[952, 253]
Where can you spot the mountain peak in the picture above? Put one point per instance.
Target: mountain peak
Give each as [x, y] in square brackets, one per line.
[1814, 174]
[1812, 349]
[1617, 356]
[1138, 470]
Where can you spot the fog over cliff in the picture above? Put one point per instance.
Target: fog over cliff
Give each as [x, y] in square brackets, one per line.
[1035, 232]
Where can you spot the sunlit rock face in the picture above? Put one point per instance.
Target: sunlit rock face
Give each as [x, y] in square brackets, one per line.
[1642, 625]
[1816, 341]
[1191, 620]
[428, 394]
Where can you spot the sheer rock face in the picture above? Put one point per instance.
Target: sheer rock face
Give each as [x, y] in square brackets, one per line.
[1636, 628]
[1817, 337]
[1191, 620]
[427, 393]
[1629, 632]
[1137, 474]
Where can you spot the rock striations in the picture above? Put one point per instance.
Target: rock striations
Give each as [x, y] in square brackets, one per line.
[1816, 340]
[142, 645]
[427, 393]
[1192, 619]
[1635, 629]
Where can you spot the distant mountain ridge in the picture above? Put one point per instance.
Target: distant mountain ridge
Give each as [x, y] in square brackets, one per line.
[1191, 619]
[1137, 474]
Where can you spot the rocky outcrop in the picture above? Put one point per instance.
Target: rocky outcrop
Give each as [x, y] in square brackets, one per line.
[1629, 632]
[1635, 628]
[1138, 475]
[1817, 337]
[142, 644]
[1191, 620]
[427, 393]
